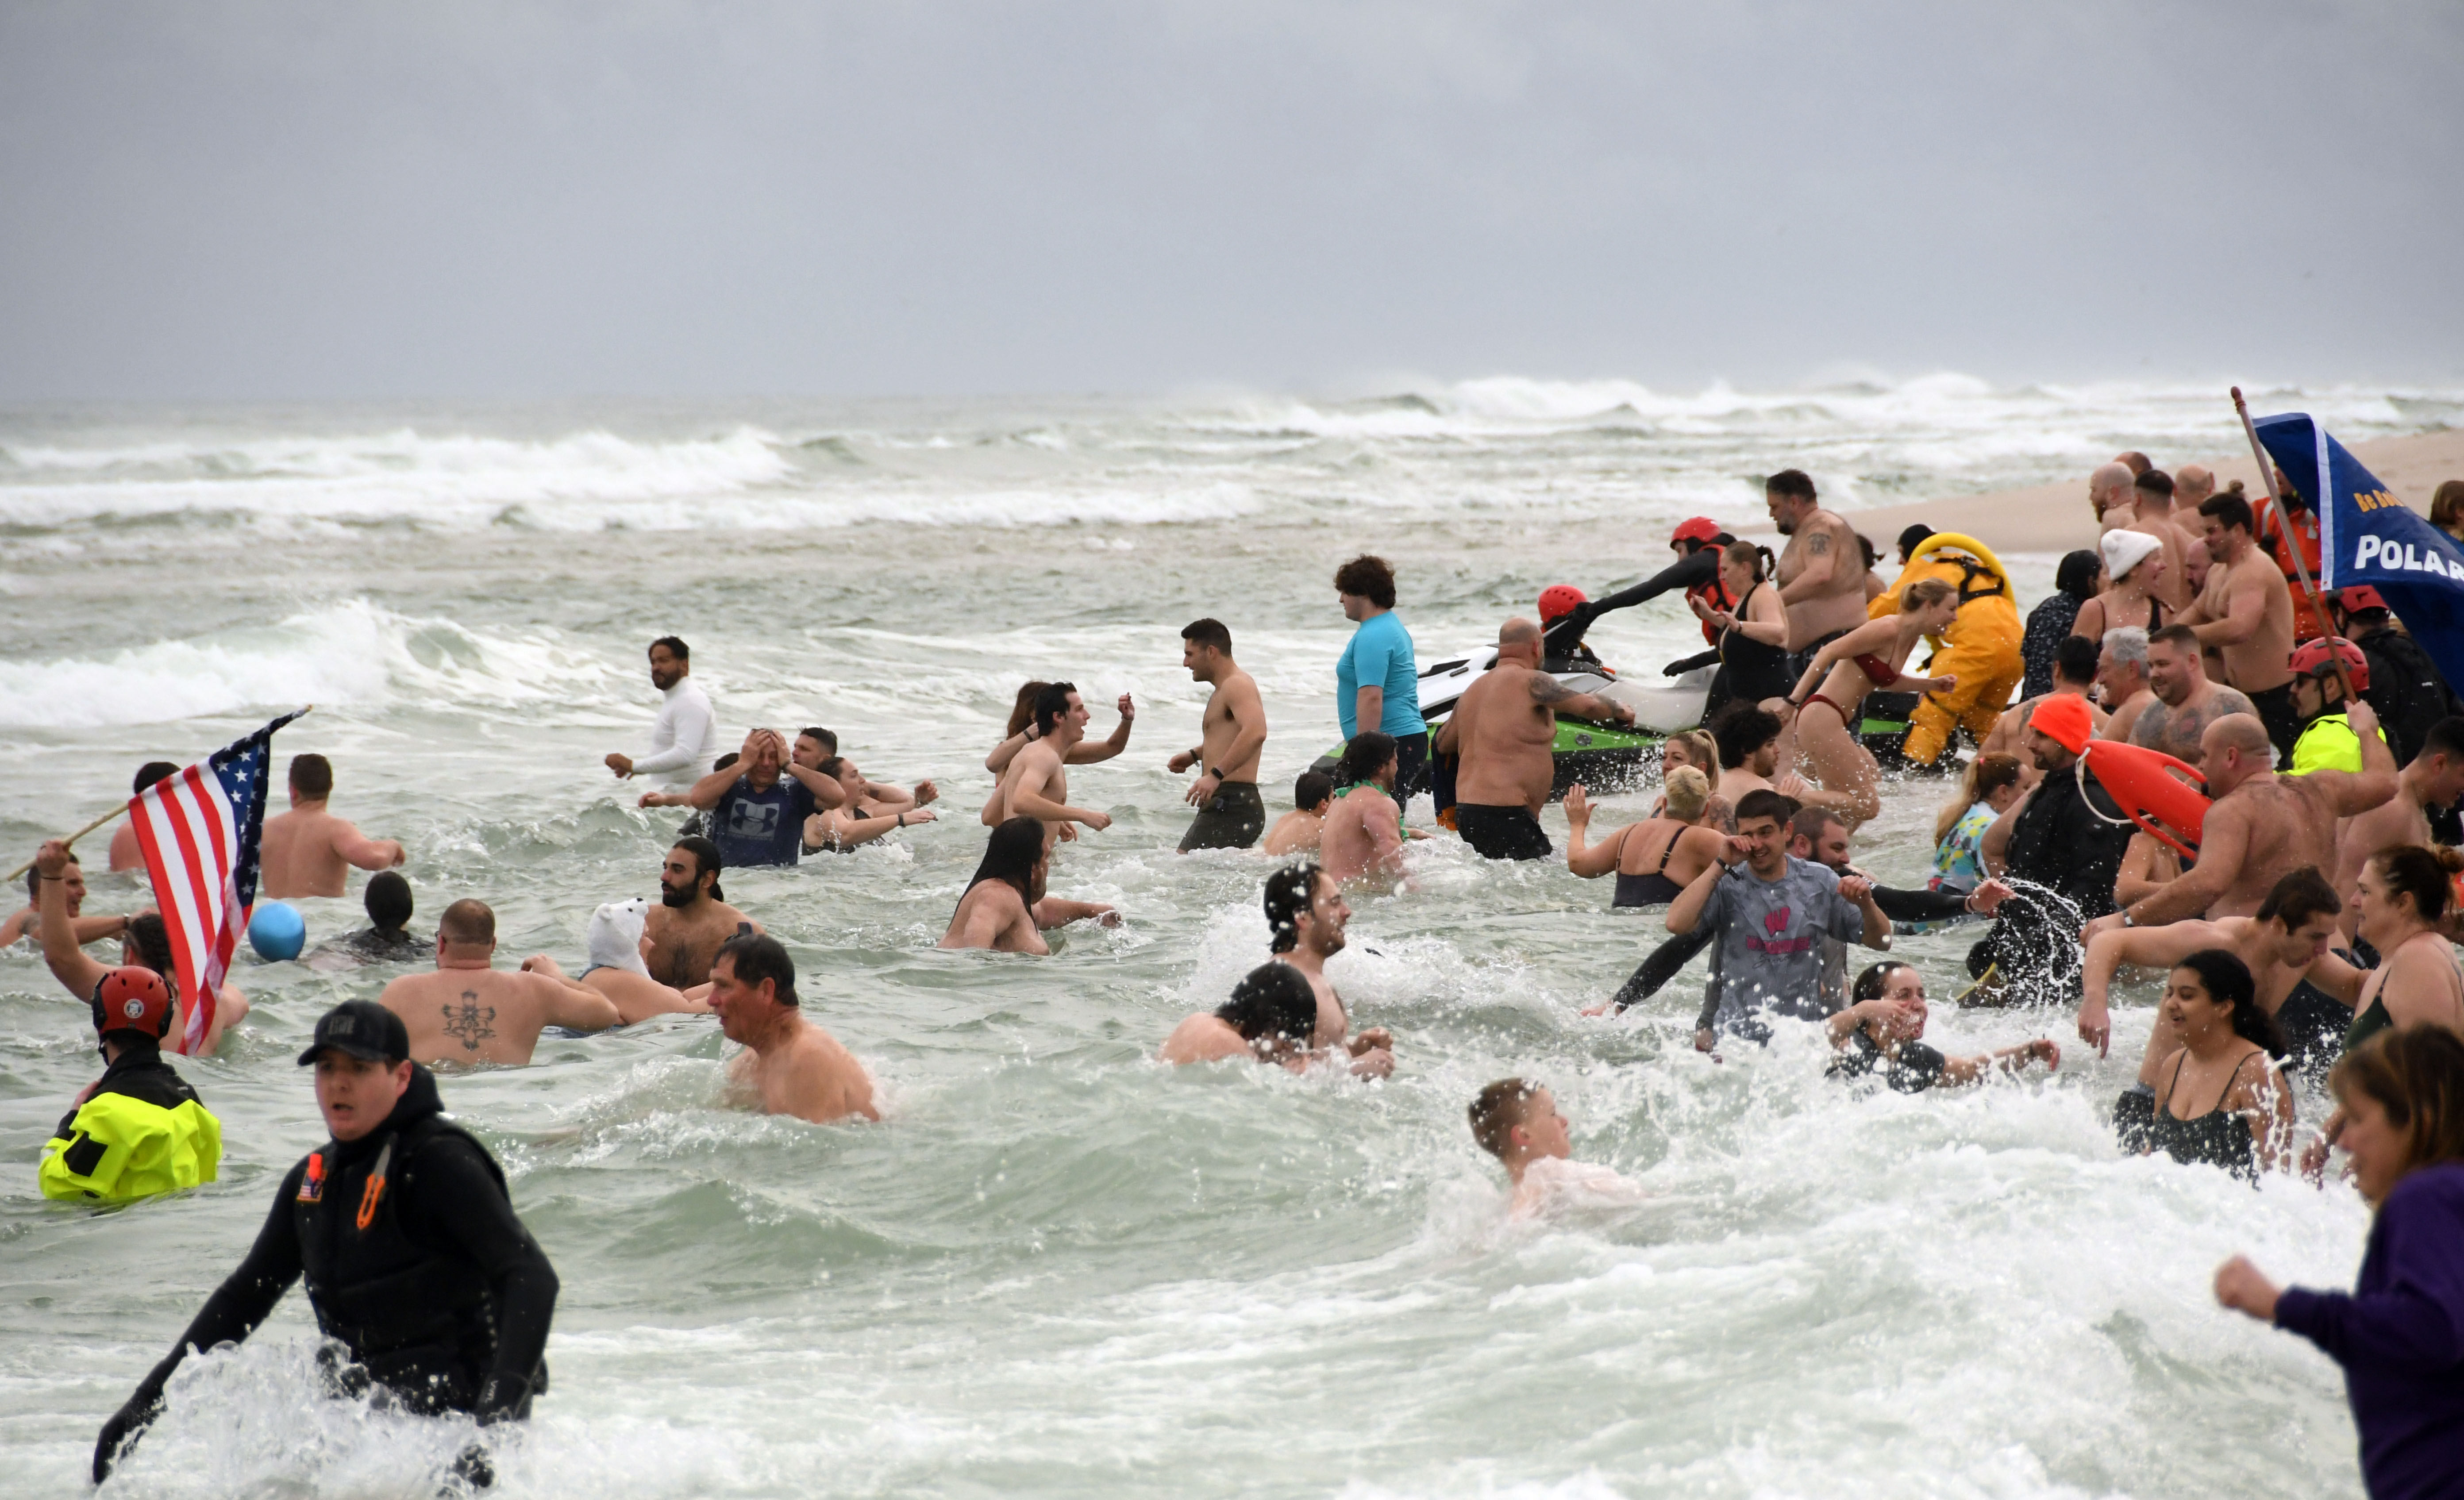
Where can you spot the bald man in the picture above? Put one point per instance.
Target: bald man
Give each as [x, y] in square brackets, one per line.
[2113, 494]
[2192, 484]
[2262, 825]
[1505, 731]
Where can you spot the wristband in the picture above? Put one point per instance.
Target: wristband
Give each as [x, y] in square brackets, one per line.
[902, 820]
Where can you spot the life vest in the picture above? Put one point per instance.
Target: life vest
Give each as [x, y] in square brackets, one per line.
[416, 1316]
[2329, 744]
[142, 1131]
[2307, 624]
[1714, 595]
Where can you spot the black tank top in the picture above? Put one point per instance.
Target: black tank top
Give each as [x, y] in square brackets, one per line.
[1654, 888]
[2217, 1138]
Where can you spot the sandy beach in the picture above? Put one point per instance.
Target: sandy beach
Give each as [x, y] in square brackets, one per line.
[2054, 517]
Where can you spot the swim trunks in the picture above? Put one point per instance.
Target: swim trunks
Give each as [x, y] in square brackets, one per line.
[1232, 818]
[1502, 832]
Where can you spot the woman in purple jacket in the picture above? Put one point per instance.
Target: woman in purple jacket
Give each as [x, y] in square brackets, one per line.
[2400, 1334]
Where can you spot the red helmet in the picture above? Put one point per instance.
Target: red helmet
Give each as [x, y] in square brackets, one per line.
[132, 999]
[1698, 529]
[1558, 599]
[2310, 659]
[2359, 596]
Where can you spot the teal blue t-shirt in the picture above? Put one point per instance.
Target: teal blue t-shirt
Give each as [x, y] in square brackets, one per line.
[1379, 656]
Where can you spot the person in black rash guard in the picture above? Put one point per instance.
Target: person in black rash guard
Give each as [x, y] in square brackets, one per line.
[2406, 688]
[2059, 838]
[414, 1261]
[1697, 544]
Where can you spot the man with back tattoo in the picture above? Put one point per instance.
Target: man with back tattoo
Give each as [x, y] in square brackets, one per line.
[2186, 702]
[1821, 573]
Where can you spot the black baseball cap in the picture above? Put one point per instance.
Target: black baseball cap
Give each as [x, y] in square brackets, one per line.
[362, 1029]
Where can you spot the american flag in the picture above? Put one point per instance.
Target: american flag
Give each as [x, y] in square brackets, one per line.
[199, 828]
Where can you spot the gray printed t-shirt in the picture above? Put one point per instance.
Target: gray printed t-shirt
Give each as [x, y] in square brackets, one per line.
[1768, 955]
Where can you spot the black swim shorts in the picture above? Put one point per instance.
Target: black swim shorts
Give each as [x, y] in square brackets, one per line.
[1232, 818]
[1502, 832]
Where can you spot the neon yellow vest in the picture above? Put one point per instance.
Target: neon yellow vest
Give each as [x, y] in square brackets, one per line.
[119, 1149]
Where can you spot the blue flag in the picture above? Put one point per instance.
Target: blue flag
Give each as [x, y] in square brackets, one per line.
[2368, 537]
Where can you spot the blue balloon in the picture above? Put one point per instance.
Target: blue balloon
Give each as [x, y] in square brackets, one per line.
[276, 931]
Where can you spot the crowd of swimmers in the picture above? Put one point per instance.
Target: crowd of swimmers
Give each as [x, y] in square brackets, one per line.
[2311, 927]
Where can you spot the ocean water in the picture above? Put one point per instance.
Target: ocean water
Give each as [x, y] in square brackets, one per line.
[1057, 1268]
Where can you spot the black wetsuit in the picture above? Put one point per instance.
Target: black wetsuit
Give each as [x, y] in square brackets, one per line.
[2407, 689]
[1913, 1068]
[1563, 639]
[2282, 720]
[2061, 843]
[427, 1280]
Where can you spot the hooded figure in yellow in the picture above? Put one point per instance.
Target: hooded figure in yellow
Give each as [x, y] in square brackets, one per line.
[1981, 647]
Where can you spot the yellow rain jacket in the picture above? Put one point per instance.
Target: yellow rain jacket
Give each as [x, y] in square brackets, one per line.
[142, 1131]
[1981, 647]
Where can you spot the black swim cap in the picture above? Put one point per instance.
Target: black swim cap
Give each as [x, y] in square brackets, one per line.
[388, 901]
[1274, 999]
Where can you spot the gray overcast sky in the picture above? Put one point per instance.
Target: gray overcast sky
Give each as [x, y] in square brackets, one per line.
[319, 199]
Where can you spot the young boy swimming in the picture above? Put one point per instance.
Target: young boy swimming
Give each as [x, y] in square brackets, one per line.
[1517, 1122]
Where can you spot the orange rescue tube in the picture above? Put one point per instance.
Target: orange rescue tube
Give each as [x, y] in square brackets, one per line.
[2165, 796]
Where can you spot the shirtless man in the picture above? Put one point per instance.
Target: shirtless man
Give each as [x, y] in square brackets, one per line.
[2121, 676]
[1305, 913]
[1232, 735]
[2187, 702]
[308, 851]
[29, 922]
[1821, 572]
[1504, 728]
[1267, 1020]
[2261, 826]
[1747, 738]
[2284, 942]
[1085, 752]
[788, 1066]
[2153, 497]
[2434, 777]
[127, 853]
[2192, 484]
[691, 919]
[1297, 831]
[1364, 830]
[468, 1012]
[1036, 783]
[1005, 908]
[2246, 614]
[617, 969]
[2075, 664]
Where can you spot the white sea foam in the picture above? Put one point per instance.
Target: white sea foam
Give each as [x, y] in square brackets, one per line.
[1629, 449]
[351, 652]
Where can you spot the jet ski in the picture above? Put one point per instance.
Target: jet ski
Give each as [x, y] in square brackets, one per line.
[1603, 757]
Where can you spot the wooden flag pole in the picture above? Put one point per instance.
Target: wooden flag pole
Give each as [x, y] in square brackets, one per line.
[2292, 544]
[71, 840]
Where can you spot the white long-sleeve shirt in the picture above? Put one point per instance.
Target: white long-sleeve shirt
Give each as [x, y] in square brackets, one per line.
[685, 739]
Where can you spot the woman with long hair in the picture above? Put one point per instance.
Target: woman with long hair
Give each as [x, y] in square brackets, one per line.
[2401, 894]
[2396, 1333]
[1985, 793]
[1828, 698]
[1657, 858]
[1753, 634]
[2225, 1060]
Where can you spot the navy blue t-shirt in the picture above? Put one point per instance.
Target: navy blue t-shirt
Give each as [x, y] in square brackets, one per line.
[767, 828]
